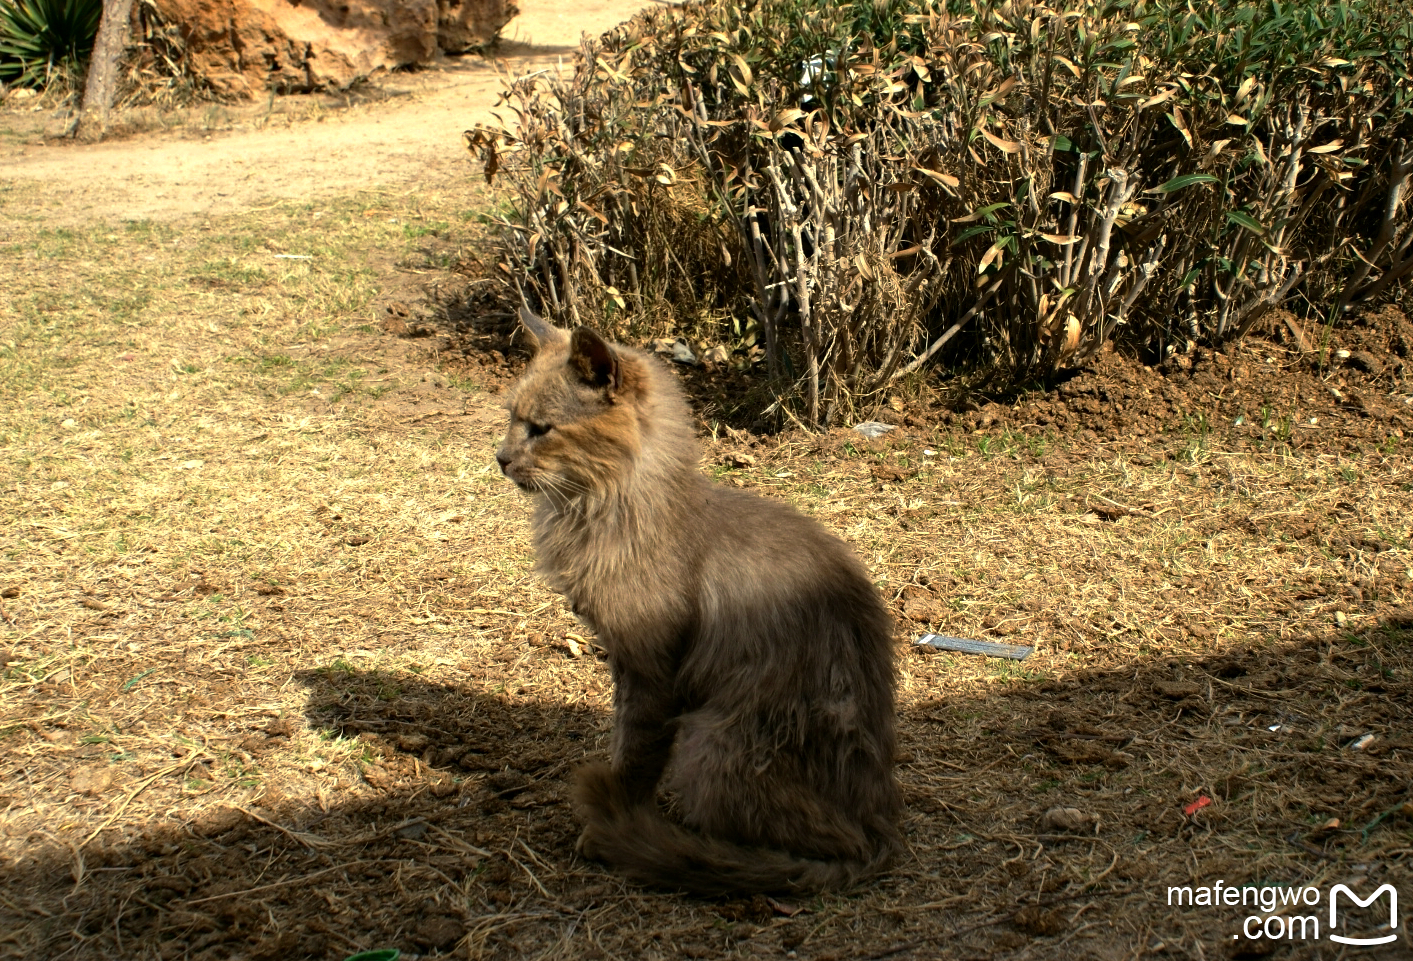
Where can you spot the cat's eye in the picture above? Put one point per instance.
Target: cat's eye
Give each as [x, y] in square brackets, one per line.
[537, 430]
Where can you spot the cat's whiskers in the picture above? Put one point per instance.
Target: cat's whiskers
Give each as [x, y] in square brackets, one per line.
[567, 495]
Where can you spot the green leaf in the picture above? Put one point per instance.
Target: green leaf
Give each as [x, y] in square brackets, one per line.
[971, 232]
[130, 684]
[1243, 219]
[1186, 180]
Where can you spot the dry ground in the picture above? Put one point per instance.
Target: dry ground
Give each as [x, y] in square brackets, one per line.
[278, 681]
[404, 131]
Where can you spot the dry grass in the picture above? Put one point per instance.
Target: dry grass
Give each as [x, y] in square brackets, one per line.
[32, 120]
[278, 680]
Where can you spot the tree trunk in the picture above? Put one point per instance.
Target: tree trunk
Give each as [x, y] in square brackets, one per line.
[102, 82]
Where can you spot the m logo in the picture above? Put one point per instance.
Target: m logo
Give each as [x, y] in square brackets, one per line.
[1364, 903]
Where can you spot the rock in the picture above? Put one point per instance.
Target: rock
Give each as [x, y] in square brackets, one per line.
[1068, 819]
[243, 48]
[1177, 689]
[91, 781]
[675, 349]
[439, 933]
[716, 355]
[872, 429]
[412, 832]
[920, 609]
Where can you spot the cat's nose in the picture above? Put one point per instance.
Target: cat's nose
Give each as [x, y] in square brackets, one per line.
[503, 461]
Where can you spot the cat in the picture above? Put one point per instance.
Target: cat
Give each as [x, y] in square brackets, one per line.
[751, 657]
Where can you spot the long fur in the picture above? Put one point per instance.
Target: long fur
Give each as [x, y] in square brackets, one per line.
[643, 845]
[752, 657]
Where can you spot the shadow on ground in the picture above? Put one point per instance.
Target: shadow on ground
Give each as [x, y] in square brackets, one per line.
[1049, 812]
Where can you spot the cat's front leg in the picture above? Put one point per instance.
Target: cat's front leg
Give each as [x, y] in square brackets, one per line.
[644, 705]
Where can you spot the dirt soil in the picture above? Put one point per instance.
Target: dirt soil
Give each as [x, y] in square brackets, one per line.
[279, 682]
[402, 132]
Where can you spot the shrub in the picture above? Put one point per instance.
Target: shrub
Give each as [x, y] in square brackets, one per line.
[860, 184]
[41, 37]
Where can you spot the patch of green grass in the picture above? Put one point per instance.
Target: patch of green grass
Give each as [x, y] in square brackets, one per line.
[233, 272]
[434, 228]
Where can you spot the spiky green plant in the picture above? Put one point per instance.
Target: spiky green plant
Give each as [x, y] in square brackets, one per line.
[40, 38]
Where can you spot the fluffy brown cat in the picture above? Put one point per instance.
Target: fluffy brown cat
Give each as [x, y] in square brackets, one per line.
[747, 645]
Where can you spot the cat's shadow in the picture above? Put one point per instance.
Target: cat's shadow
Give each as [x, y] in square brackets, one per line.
[497, 749]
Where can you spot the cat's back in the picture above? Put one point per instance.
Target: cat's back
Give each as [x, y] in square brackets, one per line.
[763, 524]
[762, 544]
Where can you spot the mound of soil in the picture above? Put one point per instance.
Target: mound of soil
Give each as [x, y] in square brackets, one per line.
[1339, 389]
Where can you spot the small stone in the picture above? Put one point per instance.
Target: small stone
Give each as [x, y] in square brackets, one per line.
[716, 355]
[1176, 689]
[439, 933]
[91, 781]
[1068, 819]
[872, 429]
[682, 354]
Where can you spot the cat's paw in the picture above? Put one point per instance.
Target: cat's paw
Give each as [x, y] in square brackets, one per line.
[587, 846]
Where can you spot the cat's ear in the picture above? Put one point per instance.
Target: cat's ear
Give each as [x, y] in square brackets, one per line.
[595, 360]
[541, 331]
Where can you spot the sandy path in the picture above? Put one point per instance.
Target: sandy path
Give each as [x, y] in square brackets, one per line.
[412, 138]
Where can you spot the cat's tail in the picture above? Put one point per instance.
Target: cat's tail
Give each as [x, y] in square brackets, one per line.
[637, 841]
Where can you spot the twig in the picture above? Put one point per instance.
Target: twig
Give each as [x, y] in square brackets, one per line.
[937, 344]
[288, 881]
[128, 800]
[531, 874]
[1134, 511]
[896, 949]
[459, 844]
[312, 841]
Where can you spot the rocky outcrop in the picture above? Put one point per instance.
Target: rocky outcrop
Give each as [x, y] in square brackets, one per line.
[244, 48]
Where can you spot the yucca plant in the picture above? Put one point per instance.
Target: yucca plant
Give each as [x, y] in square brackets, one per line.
[39, 38]
[872, 185]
